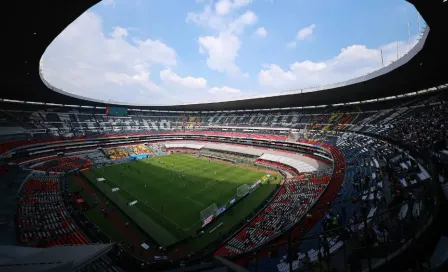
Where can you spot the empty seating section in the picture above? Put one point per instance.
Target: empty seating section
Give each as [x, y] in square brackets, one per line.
[291, 202]
[42, 218]
[294, 163]
[63, 164]
[157, 149]
[183, 147]
[228, 156]
[11, 179]
[95, 156]
[291, 170]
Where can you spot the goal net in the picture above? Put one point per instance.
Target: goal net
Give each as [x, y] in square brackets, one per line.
[242, 190]
[210, 211]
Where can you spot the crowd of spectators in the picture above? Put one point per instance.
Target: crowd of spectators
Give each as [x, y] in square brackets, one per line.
[137, 149]
[374, 169]
[116, 153]
[423, 129]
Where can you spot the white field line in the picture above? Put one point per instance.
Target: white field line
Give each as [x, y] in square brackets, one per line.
[158, 212]
[206, 186]
[190, 227]
[195, 201]
[152, 208]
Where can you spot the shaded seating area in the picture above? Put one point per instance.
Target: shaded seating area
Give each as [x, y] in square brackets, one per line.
[63, 164]
[42, 220]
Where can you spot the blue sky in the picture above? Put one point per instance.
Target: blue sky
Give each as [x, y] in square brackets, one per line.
[189, 51]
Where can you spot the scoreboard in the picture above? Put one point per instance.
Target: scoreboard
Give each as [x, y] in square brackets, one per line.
[117, 111]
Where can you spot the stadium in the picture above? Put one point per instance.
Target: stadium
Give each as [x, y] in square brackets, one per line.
[349, 177]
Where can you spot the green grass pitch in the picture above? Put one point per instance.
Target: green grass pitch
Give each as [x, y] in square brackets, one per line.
[172, 191]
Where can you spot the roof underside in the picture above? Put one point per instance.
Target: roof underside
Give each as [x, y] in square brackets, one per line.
[17, 258]
[43, 20]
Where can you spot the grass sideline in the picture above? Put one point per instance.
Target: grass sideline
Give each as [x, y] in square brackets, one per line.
[94, 213]
[172, 191]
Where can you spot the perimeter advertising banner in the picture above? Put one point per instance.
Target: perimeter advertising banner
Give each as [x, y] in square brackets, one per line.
[208, 220]
[255, 184]
[221, 210]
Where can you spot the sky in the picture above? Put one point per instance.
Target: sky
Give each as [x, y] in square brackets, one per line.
[169, 52]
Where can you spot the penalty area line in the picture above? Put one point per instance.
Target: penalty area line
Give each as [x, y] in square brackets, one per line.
[126, 191]
[195, 201]
[212, 183]
[190, 227]
[158, 212]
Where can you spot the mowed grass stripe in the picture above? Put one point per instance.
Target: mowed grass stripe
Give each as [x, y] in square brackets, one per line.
[131, 191]
[173, 190]
[137, 213]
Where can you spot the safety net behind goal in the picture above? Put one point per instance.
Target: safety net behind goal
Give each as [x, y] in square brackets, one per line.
[242, 190]
[210, 211]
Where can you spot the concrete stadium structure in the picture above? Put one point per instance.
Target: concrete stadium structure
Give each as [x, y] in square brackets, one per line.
[386, 129]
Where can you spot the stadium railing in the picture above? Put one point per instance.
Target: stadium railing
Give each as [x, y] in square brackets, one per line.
[411, 229]
[374, 241]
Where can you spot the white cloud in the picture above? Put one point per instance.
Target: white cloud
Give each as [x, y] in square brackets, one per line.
[86, 61]
[119, 32]
[261, 32]
[219, 23]
[108, 3]
[222, 51]
[222, 48]
[292, 44]
[305, 32]
[237, 26]
[117, 66]
[157, 52]
[206, 18]
[139, 78]
[224, 90]
[224, 7]
[352, 61]
[188, 82]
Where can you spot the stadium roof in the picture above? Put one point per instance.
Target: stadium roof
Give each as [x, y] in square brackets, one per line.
[43, 20]
[59, 258]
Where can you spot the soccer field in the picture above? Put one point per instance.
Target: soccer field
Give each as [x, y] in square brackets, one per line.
[172, 191]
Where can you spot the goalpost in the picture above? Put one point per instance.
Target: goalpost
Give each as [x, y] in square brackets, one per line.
[242, 190]
[212, 210]
[208, 214]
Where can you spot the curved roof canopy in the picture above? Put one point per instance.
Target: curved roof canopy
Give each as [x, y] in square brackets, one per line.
[43, 20]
